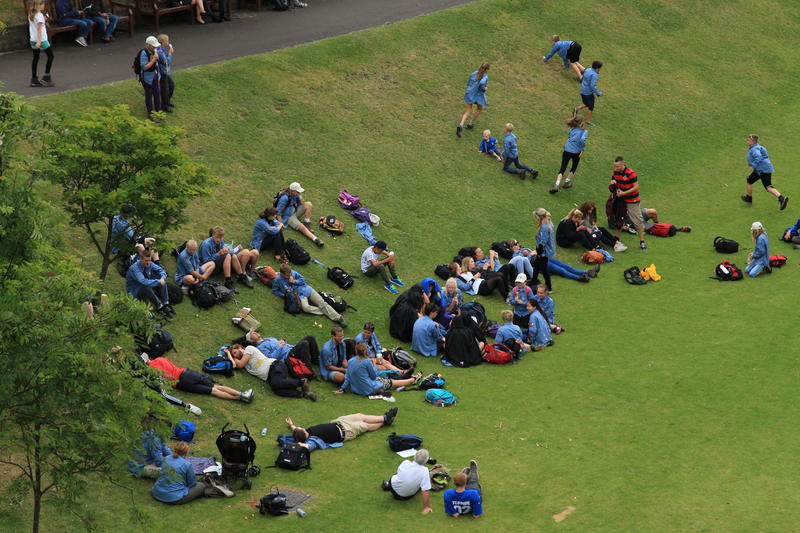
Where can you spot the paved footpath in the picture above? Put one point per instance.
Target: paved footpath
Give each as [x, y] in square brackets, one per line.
[250, 32]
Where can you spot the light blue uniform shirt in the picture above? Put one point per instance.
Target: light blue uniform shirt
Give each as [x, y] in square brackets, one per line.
[447, 299]
[147, 77]
[260, 229]
[176, 478]
[331, 354]
[373, 344]
[510, 146]
[120, 227]
[480, 263]
[589, 82]
[361, 376]
[761, 250]
[560, 48]
[271, 348]
[548, 306]
[538, 330]
[187, 263]
[508, 331]
[286, 205]
[425, 336]
[209, 249]
[476, 89]
[280, 284]
[545, 238]
[576, 141]
[758, 159]
[524, 293]
[138, 277]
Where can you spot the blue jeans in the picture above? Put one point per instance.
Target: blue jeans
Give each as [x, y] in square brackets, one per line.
[564, 270]
[522, 264]
[84, 25]
[107, 29]
[520, 166]
[148, 294]
[755, 268]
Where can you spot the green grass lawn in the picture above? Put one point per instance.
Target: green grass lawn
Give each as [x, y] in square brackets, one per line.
[666, 407]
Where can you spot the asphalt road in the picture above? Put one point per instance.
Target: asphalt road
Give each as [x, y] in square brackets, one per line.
[250, 32]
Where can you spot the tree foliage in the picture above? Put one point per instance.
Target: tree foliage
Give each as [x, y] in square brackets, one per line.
[107, 158]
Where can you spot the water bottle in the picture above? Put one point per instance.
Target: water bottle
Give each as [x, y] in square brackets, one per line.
[263, 432]
[301, 513]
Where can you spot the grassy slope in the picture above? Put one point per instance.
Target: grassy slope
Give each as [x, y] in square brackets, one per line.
[663, 407]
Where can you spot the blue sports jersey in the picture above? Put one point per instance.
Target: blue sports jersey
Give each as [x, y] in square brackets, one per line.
[467, 502]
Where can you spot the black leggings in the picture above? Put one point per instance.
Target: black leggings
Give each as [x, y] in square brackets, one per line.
[539, 263]
[35, 62]
[306, 350]
[281, 382]
[606, 237]
[492, 283]
[565, 158]
[276, 241]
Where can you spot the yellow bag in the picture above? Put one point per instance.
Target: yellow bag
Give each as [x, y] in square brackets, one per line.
[650, 273]
[245, 320]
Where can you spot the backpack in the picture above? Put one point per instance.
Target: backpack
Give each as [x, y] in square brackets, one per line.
[293, 457]
[265, 274]
[402, 359]
[662, 230]
[727, 271]
[497, 354]
[218, 364]
[291, 301]
[124, 262]
[298, 369]
[175, 293]
[593, 257]
[278, 196]
[442, 271]
[158, 344]
[440, 397]
[398, 443]
[296, 253]
[331, 225]
[137, 66]
[503, 249]
[207, 293]
[341, 278]
[184, 430]
[362, 214]
[777, 260]
[348, 201]
[273, 504]
[634, 276]
[466, 251]
[432, 381]
[337, 302]
[726, 246]
[475, 311]
[440, 477]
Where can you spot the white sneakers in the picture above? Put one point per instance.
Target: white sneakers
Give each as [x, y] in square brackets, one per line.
[619, 247]
[81, 41]
[193, 409]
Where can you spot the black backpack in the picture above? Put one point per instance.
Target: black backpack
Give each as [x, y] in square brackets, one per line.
[273, 504]
[726, 246]
[467, 251]
[207, 293]
[175, 293]
[278, 197]
[218, 364]
[398, 443]
[291, 301]
[442, 271]
[158, 344]
[296, 253]
[124, 262]
[293, 457]
[339, 305]
[340, 278]
[503, 249]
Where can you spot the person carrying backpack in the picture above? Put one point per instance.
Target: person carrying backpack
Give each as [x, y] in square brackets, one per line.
[758, 259]
[758, 159]
[149, 76]
[310, 300]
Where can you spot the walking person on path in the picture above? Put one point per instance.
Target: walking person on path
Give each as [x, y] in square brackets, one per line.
[573, 151]
[474, 95]
[758, 159]
[627, 182]
[569, 51]
[589, 90]
[37, 30]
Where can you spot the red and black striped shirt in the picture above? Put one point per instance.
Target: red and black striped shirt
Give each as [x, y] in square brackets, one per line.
[625, 180]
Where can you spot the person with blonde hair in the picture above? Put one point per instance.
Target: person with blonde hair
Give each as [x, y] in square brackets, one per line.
[37, 30]
[758, 259]
[511, 155]
[573, 151]
[758, 159]
[452, 301]
[571, 230]
[546, 250]
[189, 271]
[474, 95]
[569, 51]
[488, 145]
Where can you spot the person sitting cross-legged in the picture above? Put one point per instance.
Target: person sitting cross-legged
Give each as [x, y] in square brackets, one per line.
[310, 300]
[341, 429]
[273, 371]
[142, 281]
[411, 478]
[376, 260]
[375, 351]
[428, 335]
[227, 258]
[362, 378]
[465, 499]
[189, 270]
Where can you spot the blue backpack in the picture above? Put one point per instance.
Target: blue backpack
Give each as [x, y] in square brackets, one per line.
[291, 301]
[440, 397]
[218, 364]
[184, 430]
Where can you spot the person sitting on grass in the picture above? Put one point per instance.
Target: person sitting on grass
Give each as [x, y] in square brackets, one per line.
[306, 348]
[375, 351]
[511, 155]
[339, 430]
[146, 459]
[411, 478]
[548, 307]
[488, 146]
[465, 499]
[226, 258]
[428, 335]
[373, 264]
[758, 259]
[121, 229]
[310, 300]
[188, 380]
[571, 230]
[510, 334]
[589, 210]
[268, 231]
[273, 371]
[539, 335]
[333, 357]
[363, 380]
[452, 302]
[518, 297]
[189, 270]
[142, 281]
[492, 264]
[291, 208]
[792, 234]
[177, 483]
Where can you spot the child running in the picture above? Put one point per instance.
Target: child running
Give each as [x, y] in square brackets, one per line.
[573, 151]
[511, 155]
[488, 145]
[474, 95]
[758, 159]
[589, 90]
[38, 37]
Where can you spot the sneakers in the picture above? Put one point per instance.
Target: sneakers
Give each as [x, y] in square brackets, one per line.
[396, 281]
[619, 246]
[589, 123]
[470, 125]
[391, 288]
[643, 245]
[310, 395]
[567, 184]
[388, 416]
[167, 311]
[36, 83]
[342, 322]
[459, 129]
[533, 174]
[81, 41]
[554, 189]
[575, 110]
[247, 396]
[228, 284]
[385, 485]
[193, 409]
[783, 201]
[473, 467]
[630, 230]
[746, 199]
[592, 272]
[244, 280]
[584, 278]
[319, 242]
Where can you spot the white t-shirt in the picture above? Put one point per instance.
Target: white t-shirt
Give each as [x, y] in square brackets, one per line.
[470, 278]
[410, 478]
[34, 31]
[258, 364]
[368, 256]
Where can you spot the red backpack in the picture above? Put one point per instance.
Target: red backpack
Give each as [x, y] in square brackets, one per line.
[298, 368]
[727, 271]
[663, 229]
[497, 354]
[777, 260]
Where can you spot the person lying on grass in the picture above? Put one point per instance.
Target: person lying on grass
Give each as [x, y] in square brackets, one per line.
[341, 429]
[188, 380]
[274, 372]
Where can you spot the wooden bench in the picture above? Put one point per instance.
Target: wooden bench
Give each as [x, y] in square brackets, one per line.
[125, 15]
[51, 18]
[159, 8]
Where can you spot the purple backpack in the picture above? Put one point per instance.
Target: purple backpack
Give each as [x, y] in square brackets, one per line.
[348, 201]
[362, 214]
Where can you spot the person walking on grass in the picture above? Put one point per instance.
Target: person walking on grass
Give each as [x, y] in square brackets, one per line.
[569, 51]
[627, 182]
[758, 159]
[511, 155]
[37, 30]
[573, 151]
[589, 90]
[474, 95]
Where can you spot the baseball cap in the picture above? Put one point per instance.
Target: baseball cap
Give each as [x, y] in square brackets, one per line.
[756, 226]
[294, 186]
[521, 278]
[152, 41]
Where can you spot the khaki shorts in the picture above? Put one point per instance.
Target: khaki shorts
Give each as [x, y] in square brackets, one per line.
[635, 215]
[295, 221]
[353, 426]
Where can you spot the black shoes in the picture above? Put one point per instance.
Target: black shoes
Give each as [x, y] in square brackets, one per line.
[783, 201]
[459, 129]
[389, 416]
[747, 199]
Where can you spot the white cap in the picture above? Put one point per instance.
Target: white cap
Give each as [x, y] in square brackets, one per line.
[756, 226]
[249, 336]
[521, 278]
[152, 41]
[294, 186]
